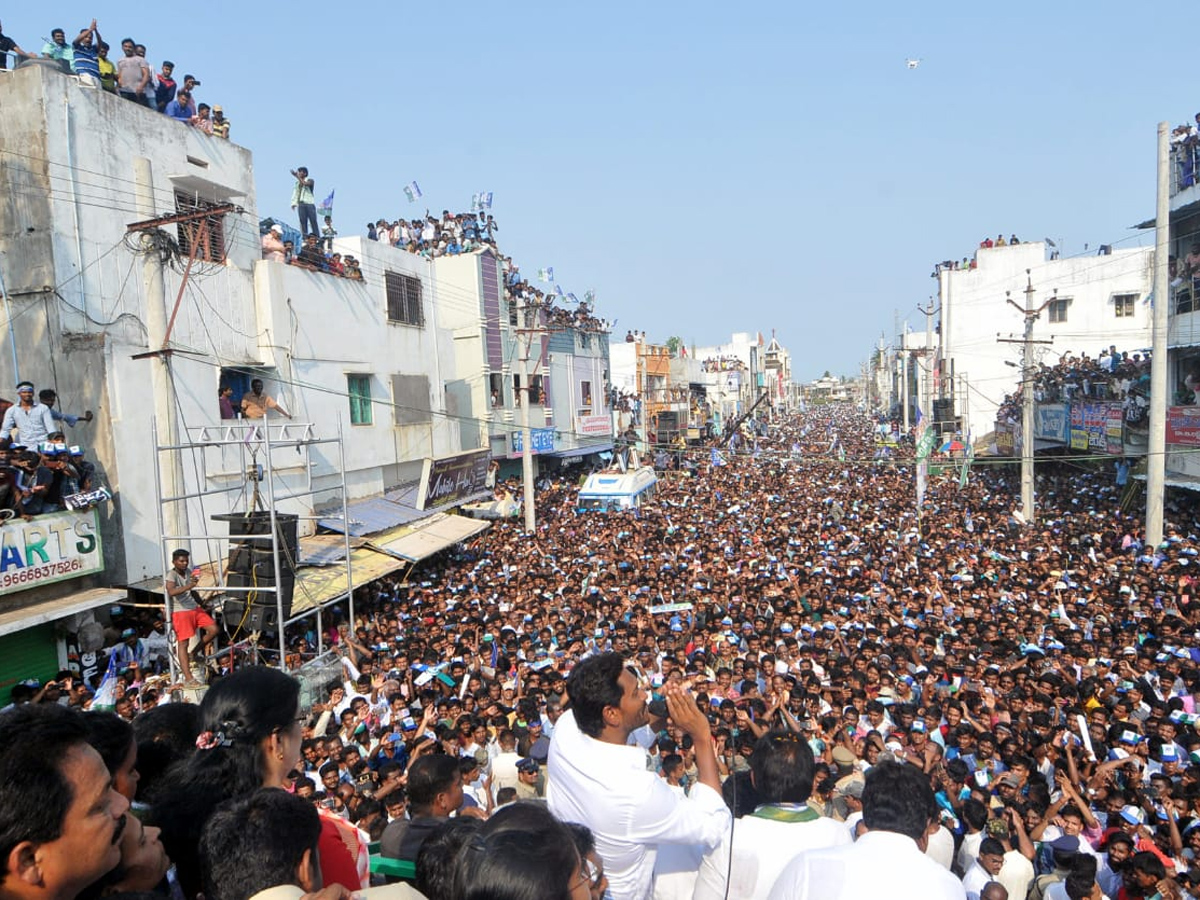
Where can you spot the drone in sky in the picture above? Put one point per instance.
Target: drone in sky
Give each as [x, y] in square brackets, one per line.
[912, 63]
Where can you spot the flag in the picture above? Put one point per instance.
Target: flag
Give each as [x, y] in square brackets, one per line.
[546, 274]
[482, 200]
[589, 297]
[683, 351]
[412, 191]
[717, 459]
[963, 476]
[558, 291]
[760, 339]
[572, 298]
[326, 207]
[106, 693]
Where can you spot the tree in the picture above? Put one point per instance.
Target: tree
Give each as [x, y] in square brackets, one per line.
[673, 344]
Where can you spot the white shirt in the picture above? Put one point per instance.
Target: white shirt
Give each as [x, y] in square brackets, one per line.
[969, 851]
[878, 864]
[761, 848]
[1016, 874]
[940, 847]
[975, 880]
[629, 809]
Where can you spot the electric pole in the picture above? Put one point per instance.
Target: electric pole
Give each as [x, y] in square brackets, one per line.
[1156, 452]
[1027, 399]
[525, 335]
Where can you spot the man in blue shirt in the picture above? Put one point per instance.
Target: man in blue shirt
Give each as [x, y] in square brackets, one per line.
[84, 57]
[180, 109]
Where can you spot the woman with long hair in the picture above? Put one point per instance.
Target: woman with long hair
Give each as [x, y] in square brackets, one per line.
[250, 733]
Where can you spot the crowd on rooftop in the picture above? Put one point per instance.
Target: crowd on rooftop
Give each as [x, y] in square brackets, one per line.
[723, 364]
[1185, 151]
[1111, 375]
[41, 470]
[130, 76]
[1035, 688]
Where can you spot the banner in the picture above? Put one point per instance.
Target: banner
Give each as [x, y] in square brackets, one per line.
[1050, 422]
[1090, 429]
[1183, 425]
[49, 548]
[453, 479]
[1114, 429]
[1004, 439]
[541, 438]
[593, 425]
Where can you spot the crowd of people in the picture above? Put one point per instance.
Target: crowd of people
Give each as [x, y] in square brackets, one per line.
[130, 76]
[1185, 152]
[723, 364]
[826, 696]
[41, 471]
[432, 237]
[1111, 375]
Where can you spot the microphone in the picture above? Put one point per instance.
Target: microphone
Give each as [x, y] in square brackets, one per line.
[657, 708]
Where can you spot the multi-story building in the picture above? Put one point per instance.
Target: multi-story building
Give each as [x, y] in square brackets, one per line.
[1093, 303]
[145, 324]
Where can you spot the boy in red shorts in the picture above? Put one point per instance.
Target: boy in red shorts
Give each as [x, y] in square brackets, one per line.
[188, 616]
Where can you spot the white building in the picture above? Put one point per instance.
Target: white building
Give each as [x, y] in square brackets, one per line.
[91, 314]
[1094, 302]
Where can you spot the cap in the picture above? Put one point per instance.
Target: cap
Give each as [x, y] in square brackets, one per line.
[24, 386]
[852, 788]
[277, 228]
[1068, 843]
[193, 77]
[128, 633]
[527, 766]
[218, 108]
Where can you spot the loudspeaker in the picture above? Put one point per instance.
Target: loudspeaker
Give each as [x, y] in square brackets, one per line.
[263, 619]
[258, 524]
[265, 597]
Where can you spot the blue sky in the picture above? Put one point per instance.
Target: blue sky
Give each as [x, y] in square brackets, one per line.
[704, 168]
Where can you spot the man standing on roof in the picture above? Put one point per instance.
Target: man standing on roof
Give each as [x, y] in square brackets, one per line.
[32, 421]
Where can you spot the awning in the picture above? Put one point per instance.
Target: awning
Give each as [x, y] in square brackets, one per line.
[372, 515]
[13, 620]
[428, 537]
[318, 585]
[580, 451]
[1182, 482]
[325, 549]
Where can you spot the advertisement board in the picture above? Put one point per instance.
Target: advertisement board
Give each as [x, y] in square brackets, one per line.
[49, 548]
[1050, 422]
[1090, 428]
[1183, 425]
[541, 438]
[1004, 438]
[453, 479]
[593, 424]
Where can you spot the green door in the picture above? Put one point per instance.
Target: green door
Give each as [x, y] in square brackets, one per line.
[31, 653]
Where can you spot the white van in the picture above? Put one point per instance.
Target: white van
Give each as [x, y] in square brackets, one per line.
[607, 491]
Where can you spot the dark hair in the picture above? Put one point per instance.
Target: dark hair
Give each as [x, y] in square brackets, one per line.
[438, 856]
[110, 735]
[991, 847]
[1148, 862]
[1082, 876]
[974, 813]
[241, 710]
[175, 554]
[256, 842]
[783, 768]
[534, 862]
[592, 686]
[34, 794]
[585, 841]
[165, 735]
[429, 776]
[897, 797]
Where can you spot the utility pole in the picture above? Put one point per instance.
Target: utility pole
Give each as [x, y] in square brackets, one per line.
[525, 335]
[928, 401]
[1027, 399]
[1156, 453]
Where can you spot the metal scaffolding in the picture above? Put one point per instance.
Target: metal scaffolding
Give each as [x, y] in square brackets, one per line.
[257, 443]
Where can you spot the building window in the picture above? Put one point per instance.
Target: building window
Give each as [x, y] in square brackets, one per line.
[585, 392]
[207, 233]
[1124, 305]
[404, 299]
[359, 389]
[535, 390]
[496, 387]
[1058, 310]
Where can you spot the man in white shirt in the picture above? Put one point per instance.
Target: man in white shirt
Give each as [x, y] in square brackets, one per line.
[985, 868]
[597, 779]
[889, 860]
[781, 770]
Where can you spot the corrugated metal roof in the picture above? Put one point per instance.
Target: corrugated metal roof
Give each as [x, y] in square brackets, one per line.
[372, 515]
[427, 538]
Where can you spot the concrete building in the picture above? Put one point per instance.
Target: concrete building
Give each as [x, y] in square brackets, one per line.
[107, 317]
[1094, 302]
